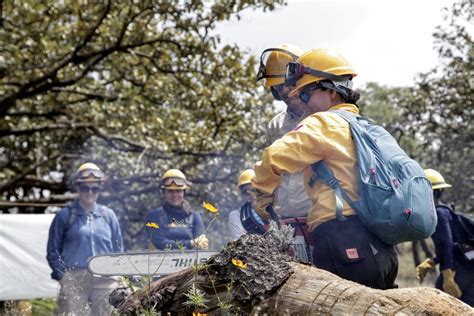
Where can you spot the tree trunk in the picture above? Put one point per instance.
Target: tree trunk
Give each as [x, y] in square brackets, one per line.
[266, 281]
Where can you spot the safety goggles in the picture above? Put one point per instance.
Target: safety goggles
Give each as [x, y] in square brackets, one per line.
[85, 188]
[278, 63]
[305, 93]
[248, 191]
[177, 181]
[296, 70]
[276, 92]
[89, 173]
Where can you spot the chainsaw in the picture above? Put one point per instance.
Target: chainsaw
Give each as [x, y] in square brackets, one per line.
[302, 244]
[156, 263]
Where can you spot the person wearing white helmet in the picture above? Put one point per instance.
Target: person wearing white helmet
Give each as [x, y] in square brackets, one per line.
[245, 220]
[454, 252]
[79, 231]
[175, 224]
[291, 197]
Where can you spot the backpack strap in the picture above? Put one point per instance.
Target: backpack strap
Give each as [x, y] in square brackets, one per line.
[324, 173]
[349, 116]
[72, 217]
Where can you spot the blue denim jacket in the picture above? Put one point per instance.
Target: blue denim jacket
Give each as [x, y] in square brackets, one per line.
[88, 235]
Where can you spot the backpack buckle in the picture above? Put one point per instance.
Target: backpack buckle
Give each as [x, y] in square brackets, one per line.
[396, 183]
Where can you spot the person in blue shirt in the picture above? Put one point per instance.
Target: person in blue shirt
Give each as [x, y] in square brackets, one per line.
[175, 224]
[457, 273]
[79, 231]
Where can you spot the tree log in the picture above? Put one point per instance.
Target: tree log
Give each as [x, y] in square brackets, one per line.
[269, 282]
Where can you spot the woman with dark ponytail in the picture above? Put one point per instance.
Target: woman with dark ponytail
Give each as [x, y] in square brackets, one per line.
[322, 79]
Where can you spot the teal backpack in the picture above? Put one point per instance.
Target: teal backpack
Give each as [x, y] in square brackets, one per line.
[395, 198]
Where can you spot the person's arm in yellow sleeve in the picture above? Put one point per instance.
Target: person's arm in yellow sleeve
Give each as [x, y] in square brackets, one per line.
[294, 152]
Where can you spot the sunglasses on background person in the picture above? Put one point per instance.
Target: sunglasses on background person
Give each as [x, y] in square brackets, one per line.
[85, 188]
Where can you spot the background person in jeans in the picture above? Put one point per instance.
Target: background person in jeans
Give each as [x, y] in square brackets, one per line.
[79, 231]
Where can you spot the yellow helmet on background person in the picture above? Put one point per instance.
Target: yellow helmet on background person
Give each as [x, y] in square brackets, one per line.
[436, 179]
[174, 179]
[273, 62]
[316, 65]
[245, 177]
[89, 172]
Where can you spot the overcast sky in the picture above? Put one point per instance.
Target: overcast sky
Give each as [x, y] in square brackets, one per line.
[388, 42]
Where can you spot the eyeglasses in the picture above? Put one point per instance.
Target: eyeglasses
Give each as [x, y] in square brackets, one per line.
[278, 63]
[296, 70]
[177, 181]
[87, 173]
[305, 94]
[85, 188]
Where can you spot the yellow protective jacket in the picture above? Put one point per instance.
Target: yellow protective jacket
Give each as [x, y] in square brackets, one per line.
[320, 136]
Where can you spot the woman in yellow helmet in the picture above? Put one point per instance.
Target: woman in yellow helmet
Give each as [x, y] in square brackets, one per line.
[175, 223]
[322, 79]
[245, 220]
[456, 259]
[79, 231]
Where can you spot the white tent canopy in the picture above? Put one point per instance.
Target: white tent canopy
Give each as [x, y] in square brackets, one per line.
[24, 271]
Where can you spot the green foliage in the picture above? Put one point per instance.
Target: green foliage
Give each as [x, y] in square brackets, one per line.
[441, 111]
[195, 298]
[45, 306]
[433, 119]
[138, 87]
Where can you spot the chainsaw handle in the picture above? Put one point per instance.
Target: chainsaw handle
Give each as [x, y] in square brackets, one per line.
[273, 214]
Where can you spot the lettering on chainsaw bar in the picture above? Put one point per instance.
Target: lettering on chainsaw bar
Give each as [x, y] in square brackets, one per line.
[186, 263]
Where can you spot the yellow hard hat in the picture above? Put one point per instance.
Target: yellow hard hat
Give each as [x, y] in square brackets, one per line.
[174, 179]
[273, 63]
[245, 177]
[319, 64]
[89, 172]
[436, 179]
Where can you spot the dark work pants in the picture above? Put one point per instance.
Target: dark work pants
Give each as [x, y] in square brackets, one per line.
[347, 249]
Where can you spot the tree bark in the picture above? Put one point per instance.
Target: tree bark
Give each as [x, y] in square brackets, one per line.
[268, 282]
